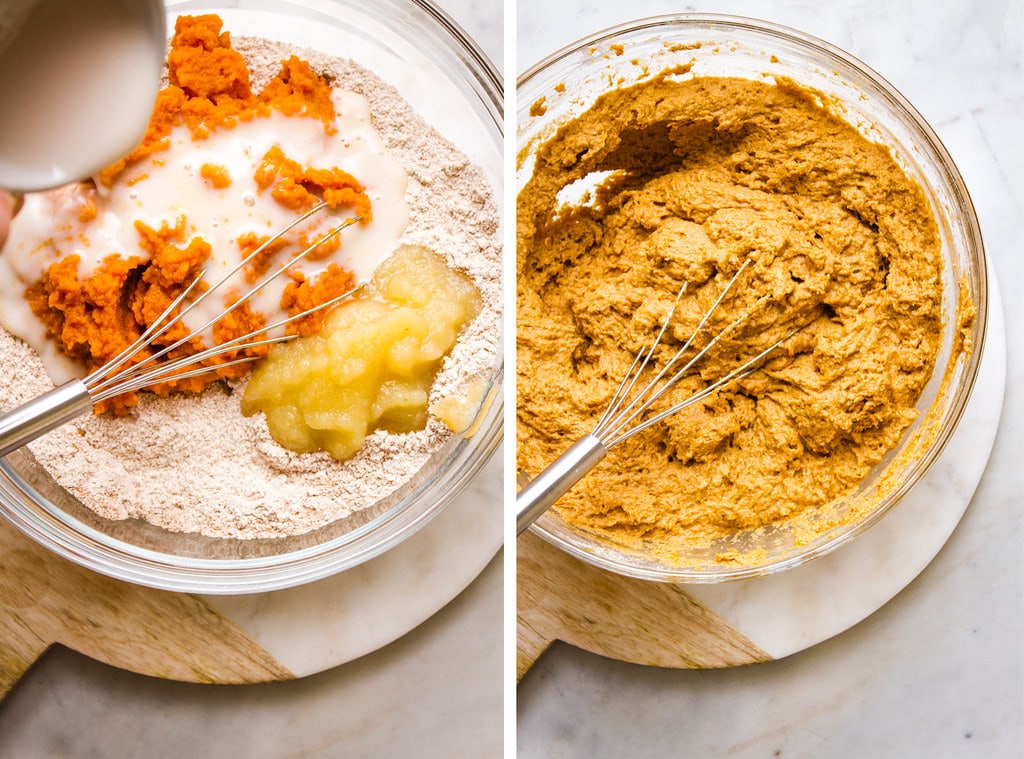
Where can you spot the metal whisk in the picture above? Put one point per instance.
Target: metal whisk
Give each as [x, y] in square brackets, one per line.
[622, 418]
[120, 375]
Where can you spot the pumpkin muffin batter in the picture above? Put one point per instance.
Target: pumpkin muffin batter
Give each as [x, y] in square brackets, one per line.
[682, 181]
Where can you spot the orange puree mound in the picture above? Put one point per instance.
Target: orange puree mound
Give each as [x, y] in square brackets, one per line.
[202, 63]
[209, 89]
[87, 319]
[260, 265]
[240, 321]
[299, 189]
[297, 90]
[215, 176]
[300, 295]
[171, 265]
[95, 318]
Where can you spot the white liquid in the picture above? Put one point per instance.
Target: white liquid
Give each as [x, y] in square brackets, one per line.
[78, 79]
[169, 185]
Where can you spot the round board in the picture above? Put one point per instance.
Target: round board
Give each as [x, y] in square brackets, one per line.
[250, 638]
[765, 618]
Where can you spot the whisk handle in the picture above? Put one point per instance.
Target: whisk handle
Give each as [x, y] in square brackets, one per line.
[548, 486]
[40, 415]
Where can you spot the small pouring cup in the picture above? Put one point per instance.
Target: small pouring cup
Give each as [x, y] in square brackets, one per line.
[77, 85]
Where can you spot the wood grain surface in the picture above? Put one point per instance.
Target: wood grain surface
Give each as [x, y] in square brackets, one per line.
[48, 600]
[562, 598]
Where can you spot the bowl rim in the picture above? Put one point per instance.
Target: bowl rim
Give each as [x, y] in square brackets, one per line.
[464, 455]
[972, 229]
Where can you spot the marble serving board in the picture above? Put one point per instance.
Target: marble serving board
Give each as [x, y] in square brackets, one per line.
[560, 598]
[280, 635]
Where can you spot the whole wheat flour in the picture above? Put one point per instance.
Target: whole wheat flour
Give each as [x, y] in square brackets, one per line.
[194, 463]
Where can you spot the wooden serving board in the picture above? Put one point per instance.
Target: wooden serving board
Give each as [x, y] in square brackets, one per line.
[260, 637]
[48, 600]
[562, 598]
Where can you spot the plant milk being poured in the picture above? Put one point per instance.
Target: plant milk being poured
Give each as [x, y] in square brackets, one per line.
[78, 79]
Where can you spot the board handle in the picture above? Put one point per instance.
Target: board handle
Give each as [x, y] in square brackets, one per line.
[17, 657]
[531, 642]
[21, 642]
[536, 604]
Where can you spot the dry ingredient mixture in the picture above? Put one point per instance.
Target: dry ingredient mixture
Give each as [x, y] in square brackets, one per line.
[682, 180]
[194, 463]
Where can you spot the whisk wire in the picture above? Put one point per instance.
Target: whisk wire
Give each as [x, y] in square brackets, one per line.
[262, 283]
[619, 421]
[642, 402]
[107, 374]
[745, 370]
[642, 358]
[668, 384]
[160, 326]
[70, 400]
[97, 379]
[143, 377]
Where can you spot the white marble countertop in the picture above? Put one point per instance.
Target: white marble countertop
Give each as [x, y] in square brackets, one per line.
[435, 692]
[938, 671]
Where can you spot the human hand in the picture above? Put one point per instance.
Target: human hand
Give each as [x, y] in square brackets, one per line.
[8, 207]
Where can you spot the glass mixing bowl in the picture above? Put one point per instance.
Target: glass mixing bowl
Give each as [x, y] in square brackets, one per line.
[443, 74]
[571, 79]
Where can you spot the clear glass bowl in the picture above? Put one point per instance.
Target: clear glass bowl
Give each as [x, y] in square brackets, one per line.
[443, 74]
[732, 46]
